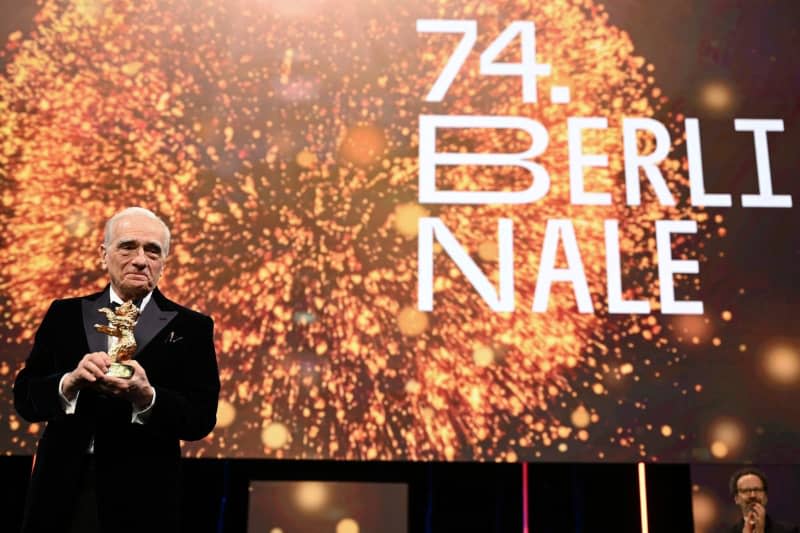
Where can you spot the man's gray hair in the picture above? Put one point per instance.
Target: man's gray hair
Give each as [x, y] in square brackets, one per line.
[135, 211]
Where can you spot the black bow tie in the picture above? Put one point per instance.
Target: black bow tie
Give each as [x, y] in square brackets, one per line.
[137, 302]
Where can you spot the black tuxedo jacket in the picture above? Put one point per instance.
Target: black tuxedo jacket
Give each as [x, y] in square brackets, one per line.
[137, 465]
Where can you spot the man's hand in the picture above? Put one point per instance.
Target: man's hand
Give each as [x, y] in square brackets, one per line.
[136, 389]
[91, 369]
[755, 519]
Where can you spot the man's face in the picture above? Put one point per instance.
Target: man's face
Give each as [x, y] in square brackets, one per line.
[135, 256]
[749, 490]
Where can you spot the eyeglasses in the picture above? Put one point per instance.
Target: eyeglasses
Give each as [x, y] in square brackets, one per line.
[752, 490]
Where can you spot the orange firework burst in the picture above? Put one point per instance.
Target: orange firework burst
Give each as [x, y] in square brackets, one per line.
[281, 147]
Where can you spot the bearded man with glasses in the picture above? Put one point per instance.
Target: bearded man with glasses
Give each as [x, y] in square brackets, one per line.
[748, 487]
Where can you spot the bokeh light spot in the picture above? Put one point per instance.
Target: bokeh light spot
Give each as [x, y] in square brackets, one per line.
[482, 355]
[727, 436]
[718, 97]
[782, 365]
[226, 414]
[306, 159]
[488, 251]
[363, 145]
[704, 510]
[275, 435]
[412, 322]
[580, 417]
[406, 219]
[719, 449]
[311, 496]
[347, 525]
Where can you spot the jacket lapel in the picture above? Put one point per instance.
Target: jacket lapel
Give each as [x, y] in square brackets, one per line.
[153, 319]
[90, 306]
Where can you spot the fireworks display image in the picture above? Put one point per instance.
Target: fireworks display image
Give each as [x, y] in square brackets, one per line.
[280, 141]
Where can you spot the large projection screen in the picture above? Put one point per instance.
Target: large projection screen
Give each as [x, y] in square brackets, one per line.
[557, 230]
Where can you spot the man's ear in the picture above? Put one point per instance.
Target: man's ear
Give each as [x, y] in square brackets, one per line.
[103, 256]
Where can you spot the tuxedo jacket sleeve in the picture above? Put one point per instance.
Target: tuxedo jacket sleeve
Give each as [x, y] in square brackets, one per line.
[36, 395]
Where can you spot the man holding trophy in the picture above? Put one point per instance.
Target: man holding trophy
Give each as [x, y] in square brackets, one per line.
[118, 393]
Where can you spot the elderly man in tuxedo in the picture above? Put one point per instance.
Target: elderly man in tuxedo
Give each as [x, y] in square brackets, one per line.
[109, 457]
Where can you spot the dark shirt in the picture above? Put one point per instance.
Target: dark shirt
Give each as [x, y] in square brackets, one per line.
[771, 526]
